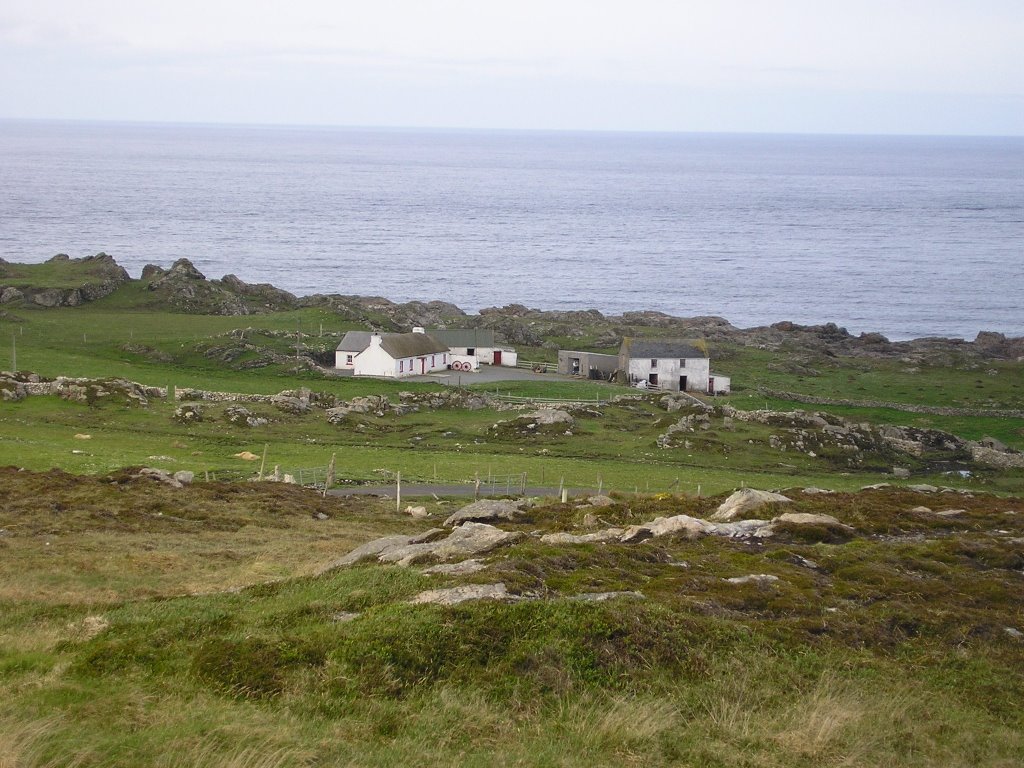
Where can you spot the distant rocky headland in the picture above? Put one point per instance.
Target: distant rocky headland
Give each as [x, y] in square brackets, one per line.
[63, 281]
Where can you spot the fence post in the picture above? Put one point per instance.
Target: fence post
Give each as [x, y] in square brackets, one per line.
[263, 463]
[522, 492]
[398, 492]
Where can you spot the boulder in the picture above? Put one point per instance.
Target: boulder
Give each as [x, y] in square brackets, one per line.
[487, 509]
[546, 416]
[464, 568]
[372, 549]
[243, 417]
[744, 501]
[601, 597]
[456, 595]
[610, 534]
[692, 527]
[754, 578]
[466, 541]
[162, 475]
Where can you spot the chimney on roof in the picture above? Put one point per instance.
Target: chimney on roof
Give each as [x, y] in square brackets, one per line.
[375, 339]
[418, 329]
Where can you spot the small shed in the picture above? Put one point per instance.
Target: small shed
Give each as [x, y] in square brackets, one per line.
[590, 365]
[479, 343]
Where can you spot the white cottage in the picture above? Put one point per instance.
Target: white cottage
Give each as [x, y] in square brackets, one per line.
[394, 355]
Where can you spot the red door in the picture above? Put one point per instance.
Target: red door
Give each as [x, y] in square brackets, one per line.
[497, 357]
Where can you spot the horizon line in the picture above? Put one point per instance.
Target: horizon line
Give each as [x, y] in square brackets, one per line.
[478, 129]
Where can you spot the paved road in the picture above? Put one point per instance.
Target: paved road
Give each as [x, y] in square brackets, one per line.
[489, 374]
[412, 490]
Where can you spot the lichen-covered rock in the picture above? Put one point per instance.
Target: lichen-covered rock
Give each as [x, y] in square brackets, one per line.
[609, 534]
[487, 509]
[754, 578]
[466, 541]
[188, 413]
[744, 501]
[456, 595]
[243, 417]
[692, 527]
[372, 549]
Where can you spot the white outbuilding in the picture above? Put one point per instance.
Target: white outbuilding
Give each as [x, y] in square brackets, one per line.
[478, 343]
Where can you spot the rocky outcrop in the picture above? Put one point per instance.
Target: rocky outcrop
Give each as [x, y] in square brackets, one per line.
[551, 421]
[17, 386]
[466, 541]
[98, 275]
[692, 527]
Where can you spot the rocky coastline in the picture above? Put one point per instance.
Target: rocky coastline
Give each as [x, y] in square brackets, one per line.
[183, 288]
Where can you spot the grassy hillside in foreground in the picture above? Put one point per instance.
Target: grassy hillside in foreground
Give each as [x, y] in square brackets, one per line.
[124, 640]
[142, 625]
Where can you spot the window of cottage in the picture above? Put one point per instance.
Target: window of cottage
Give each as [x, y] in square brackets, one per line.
[654, 362]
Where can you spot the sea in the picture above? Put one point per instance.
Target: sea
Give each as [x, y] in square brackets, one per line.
[907, 236]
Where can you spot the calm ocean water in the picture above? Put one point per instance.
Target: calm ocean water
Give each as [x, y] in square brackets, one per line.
[907, 236]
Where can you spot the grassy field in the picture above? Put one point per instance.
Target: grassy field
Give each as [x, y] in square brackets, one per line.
[125, 640]
[142, 625]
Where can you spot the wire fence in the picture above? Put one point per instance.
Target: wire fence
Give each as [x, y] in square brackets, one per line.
[489, 484]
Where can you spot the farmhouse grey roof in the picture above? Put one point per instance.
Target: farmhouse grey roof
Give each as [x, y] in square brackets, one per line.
[398, 345]
[465, 337]
[660, 348]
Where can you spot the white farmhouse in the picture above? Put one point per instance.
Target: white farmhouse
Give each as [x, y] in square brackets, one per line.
[669, 364]
[394, 355]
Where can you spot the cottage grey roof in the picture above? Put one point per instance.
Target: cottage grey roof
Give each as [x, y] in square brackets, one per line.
[660, 348]
[400, 345]
[465, 337]
[397, 345]
[354, 341]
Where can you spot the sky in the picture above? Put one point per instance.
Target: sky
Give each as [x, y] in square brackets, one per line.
[790, 66]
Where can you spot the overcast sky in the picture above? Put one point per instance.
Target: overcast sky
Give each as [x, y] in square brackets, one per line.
[846, 66]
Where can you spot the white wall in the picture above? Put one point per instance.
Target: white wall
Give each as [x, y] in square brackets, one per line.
[374, 361]
[696, 371]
